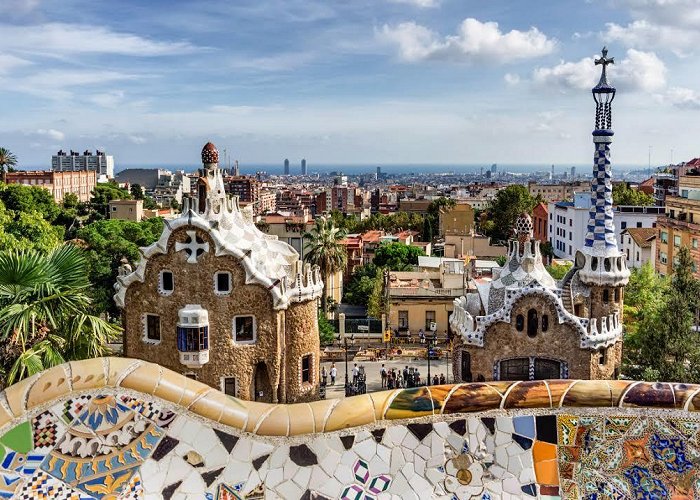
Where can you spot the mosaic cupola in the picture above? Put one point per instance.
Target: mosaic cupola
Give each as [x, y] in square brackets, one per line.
[210, 184]
[600, 262]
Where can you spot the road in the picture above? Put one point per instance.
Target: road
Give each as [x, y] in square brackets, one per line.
[372, 369]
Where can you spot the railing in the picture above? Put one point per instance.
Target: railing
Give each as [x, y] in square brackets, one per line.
[426, 292]
[670, 221]
[639, 210]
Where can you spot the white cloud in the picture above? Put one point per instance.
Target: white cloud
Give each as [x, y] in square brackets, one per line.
[683, 98]
[474, 41]
[9, 62]
[658, 24]
[638, 71]
[56, 84]
[512, 78]
[52, 134]
[423, 4]
[109, 99]
[61, 39]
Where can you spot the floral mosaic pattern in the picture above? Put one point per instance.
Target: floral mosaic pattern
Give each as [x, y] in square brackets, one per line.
[132, 430]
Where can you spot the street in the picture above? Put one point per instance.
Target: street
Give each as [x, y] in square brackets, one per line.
[372, 370]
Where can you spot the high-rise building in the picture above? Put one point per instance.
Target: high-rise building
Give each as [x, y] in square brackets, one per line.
[303, 166]
[286, 166]
[573, 173]
[494, 167]
[236, 170]
[379, 172]
[100, 163]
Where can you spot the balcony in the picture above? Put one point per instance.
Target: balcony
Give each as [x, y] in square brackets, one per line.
[193, 336]
[639, 210]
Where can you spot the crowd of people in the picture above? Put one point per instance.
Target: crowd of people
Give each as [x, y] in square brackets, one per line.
[408, 377]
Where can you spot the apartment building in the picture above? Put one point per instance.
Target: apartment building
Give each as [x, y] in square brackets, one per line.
[79, 182]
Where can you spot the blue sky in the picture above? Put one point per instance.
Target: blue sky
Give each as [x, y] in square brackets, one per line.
[354, 81]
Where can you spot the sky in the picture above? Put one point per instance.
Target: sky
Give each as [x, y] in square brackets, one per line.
[347, 81]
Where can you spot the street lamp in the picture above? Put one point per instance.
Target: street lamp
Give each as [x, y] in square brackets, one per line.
[431, 343]
[345, 345]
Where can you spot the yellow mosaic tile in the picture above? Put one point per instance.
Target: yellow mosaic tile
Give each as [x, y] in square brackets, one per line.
[381, 402]
[276, 423]
[87, 374]
[320, 409]
[16, 394]
[142, 379]
[351, 412]
[301, 419]
[51, 384]
[170, 386]
[234, 414]
[211, 405]
[255, 412]
[116, 367]
[192, 390]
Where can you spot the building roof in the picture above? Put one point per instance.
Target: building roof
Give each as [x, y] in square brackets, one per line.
[642, 236]
[435, 262]
[372, 236]
[486, 264]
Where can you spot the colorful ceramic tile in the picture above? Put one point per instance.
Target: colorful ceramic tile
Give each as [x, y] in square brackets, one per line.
[19, 438]
[473, 397]
[42, 486]
[650, 394]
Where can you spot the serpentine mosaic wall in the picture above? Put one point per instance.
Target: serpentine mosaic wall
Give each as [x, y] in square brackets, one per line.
[123, 429]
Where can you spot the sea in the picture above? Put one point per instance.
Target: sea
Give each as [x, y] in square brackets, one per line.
[394, 169]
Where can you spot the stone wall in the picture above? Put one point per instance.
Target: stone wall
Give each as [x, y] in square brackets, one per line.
[560, 342]
[194, 284]
[125, 429]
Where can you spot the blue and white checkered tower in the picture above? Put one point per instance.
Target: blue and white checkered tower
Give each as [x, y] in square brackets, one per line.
[600, 260]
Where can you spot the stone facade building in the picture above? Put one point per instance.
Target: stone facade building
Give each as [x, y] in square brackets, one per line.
[524, 325]
[219, 301]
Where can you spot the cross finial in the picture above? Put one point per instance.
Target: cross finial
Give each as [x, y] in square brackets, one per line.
[605, 60]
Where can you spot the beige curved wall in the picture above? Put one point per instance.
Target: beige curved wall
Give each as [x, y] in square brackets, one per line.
[122, 428]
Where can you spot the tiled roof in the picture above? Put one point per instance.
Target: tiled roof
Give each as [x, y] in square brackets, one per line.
[642, 236]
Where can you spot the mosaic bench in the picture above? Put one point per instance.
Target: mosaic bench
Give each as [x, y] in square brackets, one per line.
[116, 428]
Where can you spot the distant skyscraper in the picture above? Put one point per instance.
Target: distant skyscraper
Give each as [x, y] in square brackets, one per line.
[551, 175]
[303, 166]
[236, 170]
[573, 173]
[286, 166]
[379, 172]
[493, 168]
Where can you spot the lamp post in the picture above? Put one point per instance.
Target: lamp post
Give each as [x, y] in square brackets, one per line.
[431, 343]
[345, 345]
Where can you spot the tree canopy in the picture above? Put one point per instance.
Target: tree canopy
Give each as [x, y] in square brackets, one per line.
[504, 209]
[623, 195]
[661, 343]
[107, 241]
[397, 256]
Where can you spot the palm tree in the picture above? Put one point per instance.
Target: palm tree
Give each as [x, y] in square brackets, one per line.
[45, 316]
[323, 248]
[7, 161]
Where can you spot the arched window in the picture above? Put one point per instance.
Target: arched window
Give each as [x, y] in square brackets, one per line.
[545, 322]
[606, 295]
[532, 323]
[519, 322]
[617, 294]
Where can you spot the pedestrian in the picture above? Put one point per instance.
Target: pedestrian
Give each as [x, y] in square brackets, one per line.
[436, 379]
[405, 373]
[355, 373]
[421, 336]
[383, 375]
[324, 376]
[416, 377]
[399, 380]
[442, 379]
[334, 373]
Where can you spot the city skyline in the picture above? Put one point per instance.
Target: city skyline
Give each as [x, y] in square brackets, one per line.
[386, 82]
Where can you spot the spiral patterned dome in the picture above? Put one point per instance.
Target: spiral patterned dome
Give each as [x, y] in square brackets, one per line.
[210, 154]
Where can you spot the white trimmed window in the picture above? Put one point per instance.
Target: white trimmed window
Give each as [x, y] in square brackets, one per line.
[244, 329]
[222, 283]
[151, 328]
[166, 282]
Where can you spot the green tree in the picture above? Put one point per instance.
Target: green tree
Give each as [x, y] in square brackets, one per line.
[376, 305]
[102, 195]
[326, 331]
[623, 195]
[45, 314]
[27, 231]
[136, 191]
[323, 249]
[174, 204]
[558, 271]
[505, 208]
[7, 162]
[397, 256]
[665, 342]
[70, 200]
[21, 198]
[107, 242]
[149, 203]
